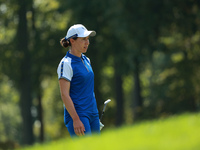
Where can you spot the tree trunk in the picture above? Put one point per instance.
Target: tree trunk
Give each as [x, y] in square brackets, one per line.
[24, 82]
[137, 105]
[119, 97]
[37, 87]
[25, 105]
[40, 117]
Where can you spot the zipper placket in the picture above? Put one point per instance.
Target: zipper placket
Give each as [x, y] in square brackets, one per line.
[84, 65]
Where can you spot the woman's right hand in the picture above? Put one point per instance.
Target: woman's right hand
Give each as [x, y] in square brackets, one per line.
[79, 128]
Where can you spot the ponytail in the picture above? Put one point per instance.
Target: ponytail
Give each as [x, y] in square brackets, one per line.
[64, 43]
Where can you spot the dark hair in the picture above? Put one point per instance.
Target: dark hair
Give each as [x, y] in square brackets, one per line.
[65, 43]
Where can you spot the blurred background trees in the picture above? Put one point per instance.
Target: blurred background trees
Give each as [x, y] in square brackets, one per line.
[145, 57]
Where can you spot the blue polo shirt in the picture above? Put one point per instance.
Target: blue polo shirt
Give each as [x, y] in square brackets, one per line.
[78, 71]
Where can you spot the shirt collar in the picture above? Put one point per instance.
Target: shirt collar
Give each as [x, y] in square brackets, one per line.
[74, 57]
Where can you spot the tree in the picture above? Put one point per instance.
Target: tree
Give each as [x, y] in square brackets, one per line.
[31, 56]
[24, 80]
[179, 65]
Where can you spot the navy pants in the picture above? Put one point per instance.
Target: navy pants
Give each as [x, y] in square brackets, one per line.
[91, 125]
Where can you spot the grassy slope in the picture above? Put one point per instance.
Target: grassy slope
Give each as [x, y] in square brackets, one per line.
[175, 133]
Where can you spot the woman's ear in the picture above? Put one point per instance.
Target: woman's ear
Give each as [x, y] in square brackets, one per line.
[72, 41]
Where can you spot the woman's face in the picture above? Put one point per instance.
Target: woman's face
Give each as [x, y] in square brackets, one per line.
[80, 44]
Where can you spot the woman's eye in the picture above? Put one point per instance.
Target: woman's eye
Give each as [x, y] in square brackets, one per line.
[85, 39]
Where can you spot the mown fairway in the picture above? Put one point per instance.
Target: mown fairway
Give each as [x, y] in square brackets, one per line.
[174, 133]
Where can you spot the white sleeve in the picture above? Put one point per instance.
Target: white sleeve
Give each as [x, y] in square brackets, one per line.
[65, 70]
[88, 59]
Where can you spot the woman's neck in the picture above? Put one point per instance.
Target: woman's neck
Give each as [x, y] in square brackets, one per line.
[75, 53]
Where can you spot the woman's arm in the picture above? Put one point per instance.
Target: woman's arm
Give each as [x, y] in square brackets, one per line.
[64, 89]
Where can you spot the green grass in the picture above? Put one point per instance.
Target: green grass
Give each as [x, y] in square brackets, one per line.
[174, 133]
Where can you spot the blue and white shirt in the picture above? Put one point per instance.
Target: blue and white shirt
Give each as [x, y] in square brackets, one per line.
[79, 73]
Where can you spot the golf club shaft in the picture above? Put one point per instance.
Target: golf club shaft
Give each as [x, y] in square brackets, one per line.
[101, 116]
[104, 108]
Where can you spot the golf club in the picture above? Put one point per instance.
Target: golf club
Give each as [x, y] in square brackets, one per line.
[104, 108]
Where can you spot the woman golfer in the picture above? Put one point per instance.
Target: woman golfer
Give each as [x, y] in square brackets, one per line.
[76, 80]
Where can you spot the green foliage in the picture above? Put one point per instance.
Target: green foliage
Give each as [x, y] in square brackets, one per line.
[53, 120]
[174, 133]
[10, 119]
